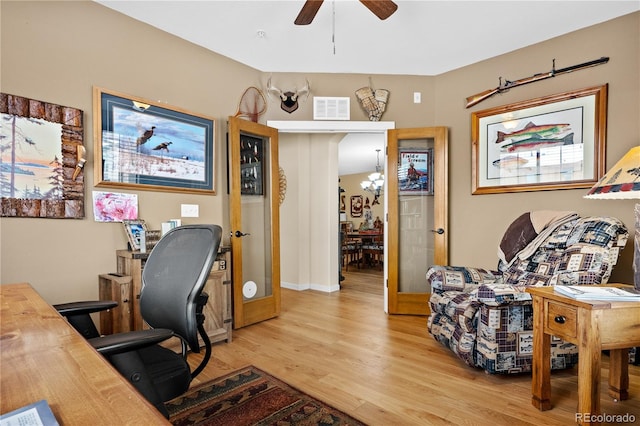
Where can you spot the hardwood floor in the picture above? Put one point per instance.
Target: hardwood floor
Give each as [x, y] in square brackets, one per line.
[387, 370]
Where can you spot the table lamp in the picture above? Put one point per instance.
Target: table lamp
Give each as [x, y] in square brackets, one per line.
[622, 181]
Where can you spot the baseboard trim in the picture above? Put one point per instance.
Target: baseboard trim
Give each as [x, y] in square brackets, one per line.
[303, 287]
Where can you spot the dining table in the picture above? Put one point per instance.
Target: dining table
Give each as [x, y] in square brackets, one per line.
[366, 237]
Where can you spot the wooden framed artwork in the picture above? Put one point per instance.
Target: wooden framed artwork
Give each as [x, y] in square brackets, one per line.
[415, 172]
[555, 142]
[42, 156]
[141, 144]
[134, 228]
[356, 206]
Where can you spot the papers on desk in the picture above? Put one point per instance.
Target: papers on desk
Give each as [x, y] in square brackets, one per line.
[598, 293]
[36, 414]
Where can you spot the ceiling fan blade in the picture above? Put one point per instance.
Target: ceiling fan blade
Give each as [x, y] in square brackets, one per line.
[381, 8]
[308, 12]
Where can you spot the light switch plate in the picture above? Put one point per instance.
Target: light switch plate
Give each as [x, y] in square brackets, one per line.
[189, 210]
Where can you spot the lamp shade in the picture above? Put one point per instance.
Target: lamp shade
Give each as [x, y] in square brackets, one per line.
[622, 181]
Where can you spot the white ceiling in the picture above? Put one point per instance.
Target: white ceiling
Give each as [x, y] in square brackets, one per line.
[421, 38]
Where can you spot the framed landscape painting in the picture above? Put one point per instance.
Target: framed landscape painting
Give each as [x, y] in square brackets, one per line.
[141, 144]
[555, 142]
[42, 156]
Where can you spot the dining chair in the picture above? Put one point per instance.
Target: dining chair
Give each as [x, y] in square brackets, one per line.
[373, 250]
[351, 251]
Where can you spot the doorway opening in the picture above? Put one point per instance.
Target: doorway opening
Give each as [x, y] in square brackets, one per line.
[314, 256]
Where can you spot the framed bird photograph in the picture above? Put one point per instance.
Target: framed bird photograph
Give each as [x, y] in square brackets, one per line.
[141, 144]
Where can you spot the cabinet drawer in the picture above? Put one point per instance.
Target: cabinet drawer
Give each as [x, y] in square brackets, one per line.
[561, 319]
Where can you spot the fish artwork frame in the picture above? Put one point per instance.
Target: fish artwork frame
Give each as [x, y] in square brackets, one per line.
[146, 145]
[549, 143]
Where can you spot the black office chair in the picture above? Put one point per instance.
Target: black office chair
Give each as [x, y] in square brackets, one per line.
[171, 302]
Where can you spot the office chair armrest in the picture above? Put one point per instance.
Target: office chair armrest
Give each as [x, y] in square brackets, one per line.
[85, 307]
[130, 341]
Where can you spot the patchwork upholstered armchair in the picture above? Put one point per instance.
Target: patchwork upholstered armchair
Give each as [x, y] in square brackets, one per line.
[485, 316]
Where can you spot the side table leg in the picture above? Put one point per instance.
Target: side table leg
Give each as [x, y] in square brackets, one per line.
[619, 374]
[589, 364]
[541, 366]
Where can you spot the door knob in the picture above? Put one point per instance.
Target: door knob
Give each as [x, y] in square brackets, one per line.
[439, 231]
[239, 234]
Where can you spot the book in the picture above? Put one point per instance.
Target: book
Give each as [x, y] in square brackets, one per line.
[580, 292]
[36, 414]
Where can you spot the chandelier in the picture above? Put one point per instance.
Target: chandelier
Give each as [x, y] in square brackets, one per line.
[375, 182]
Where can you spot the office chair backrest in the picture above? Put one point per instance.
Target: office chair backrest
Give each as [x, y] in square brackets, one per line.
[174, 276]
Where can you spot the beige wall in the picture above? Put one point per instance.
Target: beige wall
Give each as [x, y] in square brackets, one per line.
[56, 52]
[477, 221]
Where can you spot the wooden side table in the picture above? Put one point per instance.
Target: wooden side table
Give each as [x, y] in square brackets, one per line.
[593, 326]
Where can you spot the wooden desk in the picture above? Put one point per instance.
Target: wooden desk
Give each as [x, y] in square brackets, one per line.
[43, 357]
[593, 327]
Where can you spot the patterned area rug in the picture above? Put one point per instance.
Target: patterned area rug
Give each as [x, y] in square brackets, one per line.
[252, 397]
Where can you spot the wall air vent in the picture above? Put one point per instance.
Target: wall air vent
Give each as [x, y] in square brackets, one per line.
[327, 108]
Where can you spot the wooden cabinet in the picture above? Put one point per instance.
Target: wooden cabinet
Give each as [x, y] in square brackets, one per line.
[130, 263]
[218, 311]
[218, 318]
[117, 288]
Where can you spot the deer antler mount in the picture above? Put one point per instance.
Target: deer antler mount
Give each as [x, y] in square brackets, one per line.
[289, 99]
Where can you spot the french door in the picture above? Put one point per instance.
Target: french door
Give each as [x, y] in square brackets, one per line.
[417, 206]
[254, 217]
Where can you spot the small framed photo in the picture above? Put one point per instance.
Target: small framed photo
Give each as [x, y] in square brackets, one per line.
[152, 237]
[134, 228]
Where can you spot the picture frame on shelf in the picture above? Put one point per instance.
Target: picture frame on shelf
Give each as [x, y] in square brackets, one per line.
[146, 145]
[548, 143]
[152, 236]
[133, 229]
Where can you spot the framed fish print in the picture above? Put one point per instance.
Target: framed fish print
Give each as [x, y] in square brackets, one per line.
[549, 143]
[141, 144]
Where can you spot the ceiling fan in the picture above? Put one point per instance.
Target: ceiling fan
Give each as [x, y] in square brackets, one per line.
[381, 8]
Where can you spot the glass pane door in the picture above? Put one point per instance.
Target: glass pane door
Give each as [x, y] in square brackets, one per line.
[255, 229]
[417, 189]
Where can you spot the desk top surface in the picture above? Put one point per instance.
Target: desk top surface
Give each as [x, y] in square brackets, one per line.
[43, 357]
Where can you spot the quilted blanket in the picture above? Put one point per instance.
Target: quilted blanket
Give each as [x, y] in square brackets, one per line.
[529, 227]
